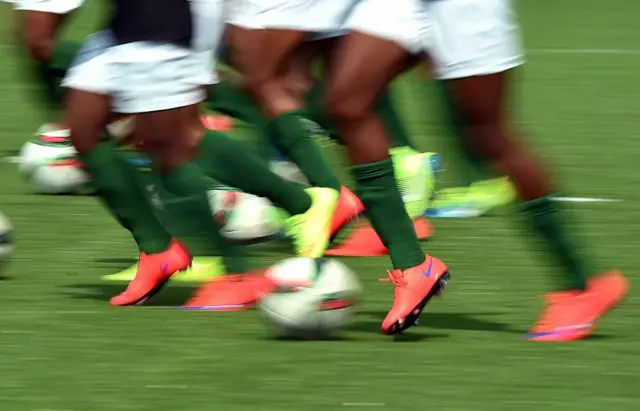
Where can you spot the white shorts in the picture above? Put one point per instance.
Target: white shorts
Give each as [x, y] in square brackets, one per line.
[473, 37]
[401, 21]
[142, 77]
[314, 16]
[47, 6]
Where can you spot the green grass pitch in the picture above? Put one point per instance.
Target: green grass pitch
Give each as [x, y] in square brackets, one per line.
[63, 348]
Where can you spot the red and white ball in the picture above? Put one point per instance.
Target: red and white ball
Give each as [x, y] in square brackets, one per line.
[315, 297]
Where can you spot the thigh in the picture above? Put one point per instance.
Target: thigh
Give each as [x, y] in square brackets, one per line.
[482, 99]
[473, 38]
[361, 68]
[47, 6]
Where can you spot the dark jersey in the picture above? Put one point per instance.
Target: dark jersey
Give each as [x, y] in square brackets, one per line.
[160, 21]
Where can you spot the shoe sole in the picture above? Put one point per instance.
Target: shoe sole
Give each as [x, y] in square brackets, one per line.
[584, 334]
[220, 308]
[155, 290]
[412, 319]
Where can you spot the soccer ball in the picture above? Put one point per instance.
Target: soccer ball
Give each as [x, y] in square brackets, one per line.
[6, 243]
[314, 297]
[50, 142]
[63, 175]
[242, 216]
[49, 162]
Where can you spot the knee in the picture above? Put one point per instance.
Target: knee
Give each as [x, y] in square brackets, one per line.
[40, 47]
[257, 84]
[84, 139]
[345, 107]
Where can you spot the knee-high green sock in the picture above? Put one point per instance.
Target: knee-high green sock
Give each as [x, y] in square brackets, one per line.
[49, 75]
[190, 182]
[232, 163]
[477, 167]
[292, 134]
[391, 120]
[378, 191]
[549, 223]
[116, 183]
[315, 109]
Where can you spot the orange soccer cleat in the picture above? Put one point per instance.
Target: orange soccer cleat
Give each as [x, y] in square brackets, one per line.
[231, 292]
[363, 241]
[154, 270]
[414, 287]
[573, 315]
[348, 208]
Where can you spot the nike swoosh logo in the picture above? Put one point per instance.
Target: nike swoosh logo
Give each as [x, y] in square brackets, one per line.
[165, 268]
[428, 272]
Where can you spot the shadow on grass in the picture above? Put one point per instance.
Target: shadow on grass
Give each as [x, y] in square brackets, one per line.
[291, 339]
[451, 321]
[171, 295]
[412, 335]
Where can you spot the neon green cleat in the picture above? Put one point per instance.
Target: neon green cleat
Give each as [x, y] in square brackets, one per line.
[475, 200]
[416, 177]
[202, 269]
[311, 231]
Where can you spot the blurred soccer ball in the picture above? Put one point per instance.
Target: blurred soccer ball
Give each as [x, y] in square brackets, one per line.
[49, 163]
[314, 299]
[50, 142]
[63, 175]
[242, 216]
[6, 240]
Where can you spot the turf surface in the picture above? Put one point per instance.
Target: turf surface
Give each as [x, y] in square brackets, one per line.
[63, 348]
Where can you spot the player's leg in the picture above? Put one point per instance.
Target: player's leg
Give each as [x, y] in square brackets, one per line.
[481, 89]
[165, 92]
[414, 170]
[46, 56]
[261, 68]
[483, 190]
[87, 112]
[233, 163]
[362, 67]
[264, 39]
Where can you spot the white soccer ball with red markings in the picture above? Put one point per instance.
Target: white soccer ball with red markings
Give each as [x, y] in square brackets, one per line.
[314, 297]
[51, 141]
[49, 163]
[62, 175]
[242, 216]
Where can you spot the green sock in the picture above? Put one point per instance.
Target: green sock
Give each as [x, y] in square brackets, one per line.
[232, 163]
[293, 136]
[116, 182]
[476, 166]
[548, 222]
[391, 120]
[190, 182]
[49, 75]
[378, 191]
[315, 109]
